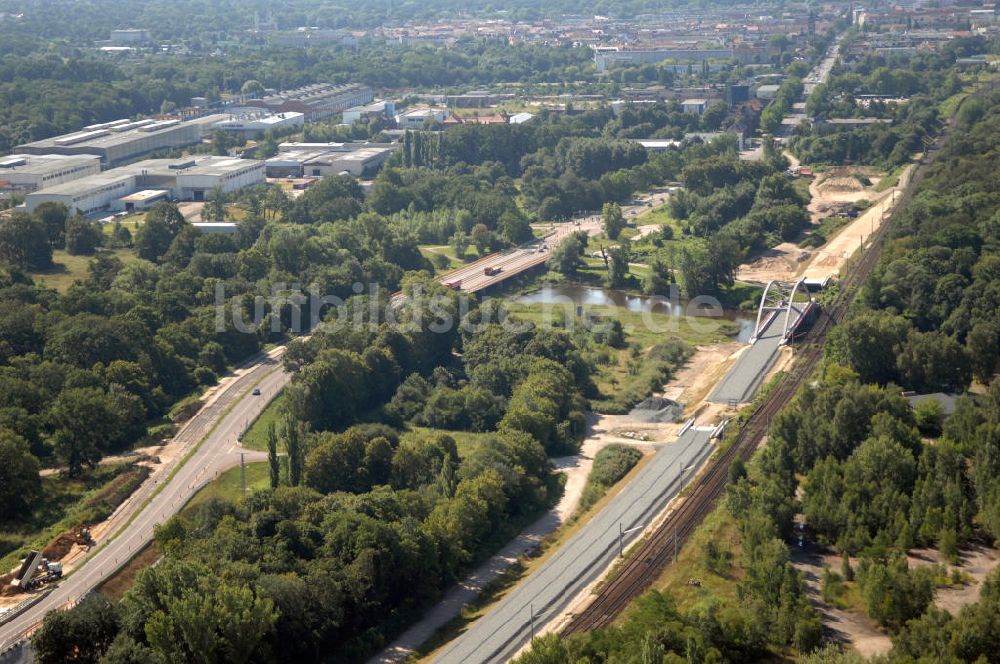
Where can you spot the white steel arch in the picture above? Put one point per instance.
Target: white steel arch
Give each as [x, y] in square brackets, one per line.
[777, 296]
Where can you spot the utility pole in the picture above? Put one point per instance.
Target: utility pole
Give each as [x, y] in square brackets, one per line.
[243, 474]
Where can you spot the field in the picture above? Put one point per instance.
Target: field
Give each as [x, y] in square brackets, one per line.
[708, 565]
[434, 252]
[67, 269]
[228, 486]
[256, 436]
[466, 441]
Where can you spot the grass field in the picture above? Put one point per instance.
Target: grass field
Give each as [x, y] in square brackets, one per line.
[692, 567]
[432, 251]
[466, 441]
[627, 375]
[256, 436]
[67, 269]
[643, 328]
[228, 485]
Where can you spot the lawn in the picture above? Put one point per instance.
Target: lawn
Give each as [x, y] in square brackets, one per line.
[466, 441]
[256, 436]
[432, 251]
[699, 579]
[658, 215]
[229, 485]
[67, 269]
[643, 328]
[654, 344]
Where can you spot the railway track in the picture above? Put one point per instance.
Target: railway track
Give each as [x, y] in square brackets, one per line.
[654, 553]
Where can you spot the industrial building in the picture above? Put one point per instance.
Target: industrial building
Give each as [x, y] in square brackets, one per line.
[317, 101]
[138, 186]
[369, 112]
[415, 118]
[321, 159]
[256, 124]
[122, 141]
[25, 173]
[696, 106]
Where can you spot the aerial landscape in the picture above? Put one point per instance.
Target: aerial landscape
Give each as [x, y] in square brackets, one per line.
[456, 332]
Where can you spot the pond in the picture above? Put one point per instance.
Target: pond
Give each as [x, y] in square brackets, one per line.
[587, 296]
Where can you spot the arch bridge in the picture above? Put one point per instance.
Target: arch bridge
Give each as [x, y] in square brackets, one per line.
[779, 296]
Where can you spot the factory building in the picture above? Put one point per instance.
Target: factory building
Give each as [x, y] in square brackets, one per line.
[316, 102]
[122, 141]
[25, 173]
[138, 186]
[255, 125]
[416, 118]
[373, 111]
[321, 159]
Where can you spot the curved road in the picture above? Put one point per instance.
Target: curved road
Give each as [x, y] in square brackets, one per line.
[216, 426]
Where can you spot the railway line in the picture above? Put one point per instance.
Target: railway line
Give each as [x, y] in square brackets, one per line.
[655, 552]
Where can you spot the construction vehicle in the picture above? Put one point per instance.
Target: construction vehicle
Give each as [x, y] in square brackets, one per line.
[491, 271]
[36, 571]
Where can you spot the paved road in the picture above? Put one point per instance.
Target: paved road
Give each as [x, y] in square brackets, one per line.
[498, 635]
[742, 380]
[472, 278]
[229, 413]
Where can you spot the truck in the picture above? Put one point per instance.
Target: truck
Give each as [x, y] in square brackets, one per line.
[35, 571]
[491, 271]
[455, 284]
[47, 573]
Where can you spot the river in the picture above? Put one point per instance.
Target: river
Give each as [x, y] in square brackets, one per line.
[587, 296]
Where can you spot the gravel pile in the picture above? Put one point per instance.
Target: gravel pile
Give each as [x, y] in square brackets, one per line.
[656, 410]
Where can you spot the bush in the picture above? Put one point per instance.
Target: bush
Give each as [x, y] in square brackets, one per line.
[610, 465]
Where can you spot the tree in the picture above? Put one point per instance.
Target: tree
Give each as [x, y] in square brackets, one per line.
[483, 238]
[614, 221]
[20, 484]
[293, 451]
[222, 142]
[618, 268]
[24, 243]
[460, 244]
[252, 89]
[868, 344]
[215, 206]
[83, 237]
[566, 256]
[161, 225]
[932, 361]
[81, 634]
[983, 344]
[272, 455]
[53, 217]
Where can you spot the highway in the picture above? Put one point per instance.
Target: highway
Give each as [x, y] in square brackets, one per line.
[745, 376]
[472, 278]
[498, 635]
[217, 425]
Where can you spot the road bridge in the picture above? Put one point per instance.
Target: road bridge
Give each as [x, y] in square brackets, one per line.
[779, 317]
